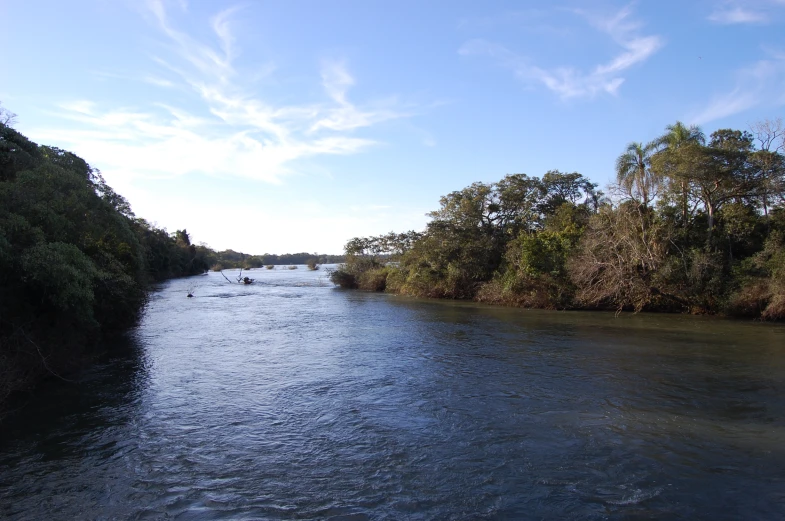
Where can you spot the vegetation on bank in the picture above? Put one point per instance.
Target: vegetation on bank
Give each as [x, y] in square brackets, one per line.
[76, 263]
[690, 225]
[228, 259]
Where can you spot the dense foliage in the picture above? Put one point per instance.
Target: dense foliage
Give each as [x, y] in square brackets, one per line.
[75, 262]
[690, 225]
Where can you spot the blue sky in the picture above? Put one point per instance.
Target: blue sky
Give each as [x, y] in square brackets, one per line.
[290, 126]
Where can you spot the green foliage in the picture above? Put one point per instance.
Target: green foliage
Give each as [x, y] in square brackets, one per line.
[17, 153]
[229, 259]
[74, 261]
[62, 275]
[466, 244]
[695, 227]
[761, 287]
[341, 277]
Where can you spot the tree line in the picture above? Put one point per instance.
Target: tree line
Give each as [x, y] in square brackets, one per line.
[690, 225]
[228, 259]
[75, 262]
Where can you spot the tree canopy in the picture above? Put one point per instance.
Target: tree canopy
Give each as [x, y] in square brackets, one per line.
[692, 226]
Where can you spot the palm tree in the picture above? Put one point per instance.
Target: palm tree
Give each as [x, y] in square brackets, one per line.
[679, 134]
[634, 174]
[676, 138]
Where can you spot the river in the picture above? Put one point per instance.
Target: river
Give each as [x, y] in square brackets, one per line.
[291, 399]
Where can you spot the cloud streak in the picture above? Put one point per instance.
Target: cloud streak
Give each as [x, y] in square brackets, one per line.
[231, 132]
[734, 12]
[570, 82]
[760, 84]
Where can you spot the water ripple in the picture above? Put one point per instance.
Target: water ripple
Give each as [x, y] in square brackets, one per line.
[288, 399]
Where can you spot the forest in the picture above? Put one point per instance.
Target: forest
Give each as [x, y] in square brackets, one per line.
[691, 224]
[76, 264]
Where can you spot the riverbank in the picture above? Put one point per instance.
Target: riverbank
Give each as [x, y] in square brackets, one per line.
[366, 274]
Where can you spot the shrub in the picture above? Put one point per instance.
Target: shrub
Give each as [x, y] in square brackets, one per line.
[373, 280]
[343, 278]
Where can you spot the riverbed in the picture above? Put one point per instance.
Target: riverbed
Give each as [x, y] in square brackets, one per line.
[291, 399]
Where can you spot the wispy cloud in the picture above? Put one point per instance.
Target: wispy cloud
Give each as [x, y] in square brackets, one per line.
[736, 15]
[346, 116]
[760, 84]
[570, 82]
[233, 131]
[731, 12]
[158, 82]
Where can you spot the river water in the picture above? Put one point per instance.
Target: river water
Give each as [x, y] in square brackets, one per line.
[291, 399]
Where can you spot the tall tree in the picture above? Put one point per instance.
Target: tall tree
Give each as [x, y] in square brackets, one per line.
[724, 174]
[634, 173]
[769, 161]
[678, 140]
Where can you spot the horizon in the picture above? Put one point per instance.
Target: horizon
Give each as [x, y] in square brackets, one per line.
[275, 128]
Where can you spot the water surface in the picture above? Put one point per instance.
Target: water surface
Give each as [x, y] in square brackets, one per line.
[290, 399]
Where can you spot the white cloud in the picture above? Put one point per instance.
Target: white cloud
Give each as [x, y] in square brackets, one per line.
[336, 80]
[346, 116]
[200, 55]
[158, 82]
[736, 15]
[569, 82]
[221, 27]
[762, 83]
[233, 132]
[731, 12]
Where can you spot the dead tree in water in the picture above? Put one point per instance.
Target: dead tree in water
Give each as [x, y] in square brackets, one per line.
[244, 280]
[240, 278]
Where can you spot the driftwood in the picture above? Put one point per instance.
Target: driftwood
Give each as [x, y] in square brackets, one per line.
[244, 280]
[240, 278]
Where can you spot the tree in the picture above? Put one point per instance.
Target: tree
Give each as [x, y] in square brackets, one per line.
[679, 134]
[17, 153]
[724, 172]
[560, 187]
[7, 117]
[769, 162]
[634, 174]
[616, 264]
[676, 148]
[519, 197]
[182, 238]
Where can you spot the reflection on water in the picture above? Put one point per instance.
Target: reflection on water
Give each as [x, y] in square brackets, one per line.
[289, 399]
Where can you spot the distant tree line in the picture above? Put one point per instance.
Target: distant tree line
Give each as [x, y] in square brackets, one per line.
[690, 225]
[227, 259]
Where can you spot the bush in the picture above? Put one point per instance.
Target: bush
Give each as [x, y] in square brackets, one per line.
[343, 278]
[373, 280]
